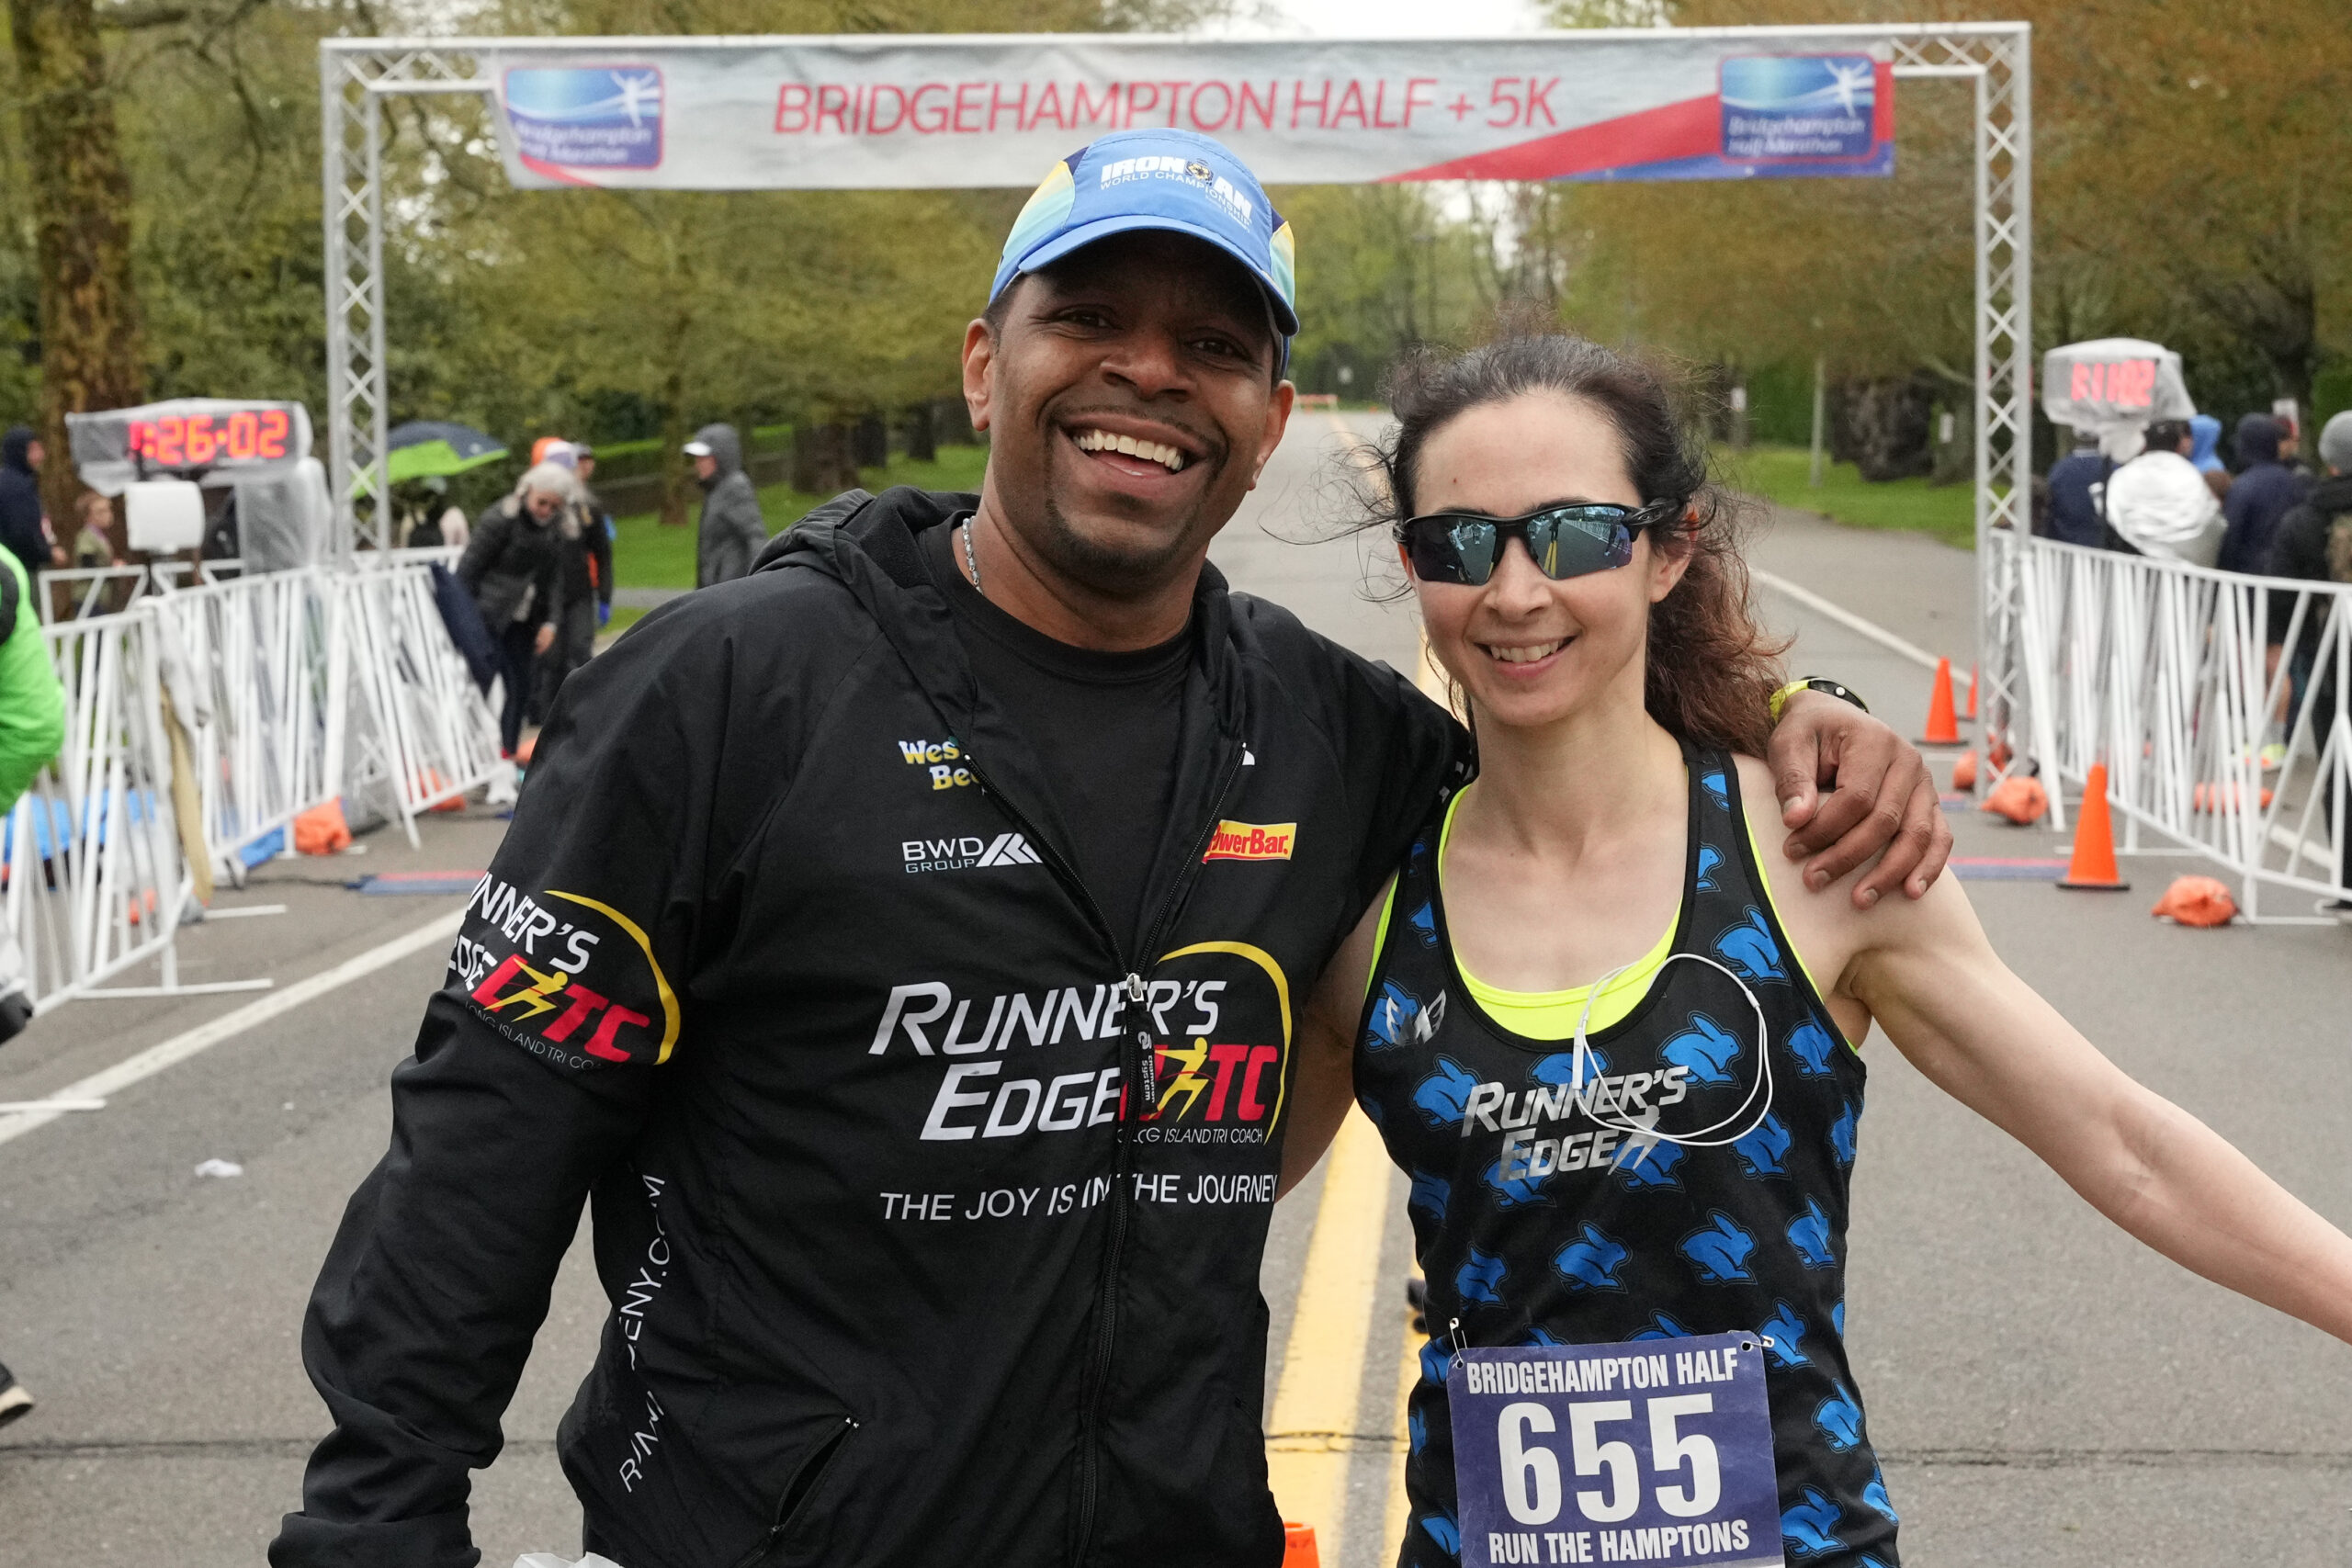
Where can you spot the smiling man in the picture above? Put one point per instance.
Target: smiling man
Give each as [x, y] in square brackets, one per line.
[911, 950]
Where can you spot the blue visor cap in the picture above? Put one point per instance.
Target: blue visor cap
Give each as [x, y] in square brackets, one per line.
[1175, 180]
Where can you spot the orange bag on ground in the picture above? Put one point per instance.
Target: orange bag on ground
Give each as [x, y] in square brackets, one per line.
[2196, 901]
[322, 830]
[2020, 799]
[1963, 771]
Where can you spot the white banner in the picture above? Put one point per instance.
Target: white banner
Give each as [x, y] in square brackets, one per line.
[883, 112]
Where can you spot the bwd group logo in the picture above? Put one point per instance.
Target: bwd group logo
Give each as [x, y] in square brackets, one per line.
[1801, 107]
[570, 122]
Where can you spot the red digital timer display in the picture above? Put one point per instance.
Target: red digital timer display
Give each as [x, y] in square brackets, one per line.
[208, 441]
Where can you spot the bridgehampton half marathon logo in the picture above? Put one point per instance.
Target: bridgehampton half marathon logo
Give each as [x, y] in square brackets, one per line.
[574, 122]
[1804, 106]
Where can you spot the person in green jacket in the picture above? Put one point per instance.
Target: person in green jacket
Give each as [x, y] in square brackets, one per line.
[32, 728]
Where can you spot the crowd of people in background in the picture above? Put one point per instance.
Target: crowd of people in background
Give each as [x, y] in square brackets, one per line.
[2167, 493]
[538, 562]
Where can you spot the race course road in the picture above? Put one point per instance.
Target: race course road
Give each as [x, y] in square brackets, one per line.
[2046, 1392]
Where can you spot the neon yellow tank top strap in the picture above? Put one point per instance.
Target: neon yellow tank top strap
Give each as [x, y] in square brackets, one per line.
[1552, 1015]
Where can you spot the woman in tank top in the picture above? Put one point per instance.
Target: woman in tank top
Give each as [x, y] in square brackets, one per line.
[1612, 1043]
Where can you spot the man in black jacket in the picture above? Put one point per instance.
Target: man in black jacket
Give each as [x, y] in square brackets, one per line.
[907, 949]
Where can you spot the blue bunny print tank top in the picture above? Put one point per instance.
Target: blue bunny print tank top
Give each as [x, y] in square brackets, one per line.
[1544, 1213]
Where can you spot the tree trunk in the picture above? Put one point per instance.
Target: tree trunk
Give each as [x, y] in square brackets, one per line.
[822, 458]
[870, 443]
[1882, 427]
[951, 420]
[81, 199]
[920, 446]
[1955, 460]
[677, 473]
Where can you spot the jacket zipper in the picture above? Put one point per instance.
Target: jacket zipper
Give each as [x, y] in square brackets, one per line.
[1098, 1370]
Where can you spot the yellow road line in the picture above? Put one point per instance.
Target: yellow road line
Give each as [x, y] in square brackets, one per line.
[1409, 1372]
[1314, 1432]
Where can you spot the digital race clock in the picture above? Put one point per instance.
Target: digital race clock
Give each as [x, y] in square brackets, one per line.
[213, 440]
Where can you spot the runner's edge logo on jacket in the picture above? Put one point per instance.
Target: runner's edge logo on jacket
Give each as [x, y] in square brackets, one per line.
[930, 1215]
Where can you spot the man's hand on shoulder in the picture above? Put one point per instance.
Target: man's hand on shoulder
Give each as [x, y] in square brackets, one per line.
[1850, 787]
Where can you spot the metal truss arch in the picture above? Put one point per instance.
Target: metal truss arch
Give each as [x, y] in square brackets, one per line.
[355, 75]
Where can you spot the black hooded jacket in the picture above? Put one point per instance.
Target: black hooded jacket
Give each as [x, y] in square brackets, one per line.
[20, 513]
[930, 1215]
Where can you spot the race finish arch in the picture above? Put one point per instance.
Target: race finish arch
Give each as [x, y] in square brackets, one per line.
[880, 111]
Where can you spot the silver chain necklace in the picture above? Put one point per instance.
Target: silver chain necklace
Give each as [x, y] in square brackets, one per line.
[971, 561]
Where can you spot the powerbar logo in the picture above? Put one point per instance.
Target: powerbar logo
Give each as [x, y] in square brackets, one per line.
[960, 853]
[1252, 840]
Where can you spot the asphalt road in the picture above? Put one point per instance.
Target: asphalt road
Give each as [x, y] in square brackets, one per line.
[2045, 1391]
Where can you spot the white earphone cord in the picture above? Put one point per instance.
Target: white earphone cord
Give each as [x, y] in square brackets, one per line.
[1700, 1139]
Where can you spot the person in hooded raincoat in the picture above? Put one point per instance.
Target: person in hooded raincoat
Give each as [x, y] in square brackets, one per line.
[733, 530]
[24, 523]
[32, 728]
[2267, 489]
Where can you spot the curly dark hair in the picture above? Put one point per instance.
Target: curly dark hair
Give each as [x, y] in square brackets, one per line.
[1711, 668]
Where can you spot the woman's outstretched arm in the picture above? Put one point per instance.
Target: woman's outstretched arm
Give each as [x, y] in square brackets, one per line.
[1935, 986]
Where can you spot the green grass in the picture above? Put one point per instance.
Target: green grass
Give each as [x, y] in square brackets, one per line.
[647, 555]
[1781, 475]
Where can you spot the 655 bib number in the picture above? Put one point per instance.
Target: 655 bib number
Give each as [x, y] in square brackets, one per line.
[1659, 1451]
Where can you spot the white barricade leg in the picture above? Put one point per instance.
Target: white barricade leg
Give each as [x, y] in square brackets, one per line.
[2163, 671]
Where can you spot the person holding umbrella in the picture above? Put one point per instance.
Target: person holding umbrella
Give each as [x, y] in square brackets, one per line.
[434, 452]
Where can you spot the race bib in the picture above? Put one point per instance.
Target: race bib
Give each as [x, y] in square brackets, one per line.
[1659, 1451]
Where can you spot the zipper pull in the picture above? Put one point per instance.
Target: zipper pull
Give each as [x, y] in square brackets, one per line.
[1147, 1056]
[1147, 1053]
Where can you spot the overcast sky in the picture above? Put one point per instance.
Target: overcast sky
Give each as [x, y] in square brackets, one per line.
[1386, 19]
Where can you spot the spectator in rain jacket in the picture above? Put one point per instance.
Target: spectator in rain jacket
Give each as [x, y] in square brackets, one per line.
[2157, 505]
[2074, 480]
[2262, 493]
[32, 705]
[587, 584]
[24, 526]
[514, 568]
[32, 728]
[2314, 542]
[732, 529]
[2205, 451]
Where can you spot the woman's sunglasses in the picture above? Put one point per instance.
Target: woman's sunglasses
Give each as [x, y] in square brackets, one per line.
[1564, 541]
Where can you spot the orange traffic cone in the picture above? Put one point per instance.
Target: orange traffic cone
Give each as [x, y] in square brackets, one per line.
[1943, 725]
[1298, 1546]
[2092, 867]
[1972, 693]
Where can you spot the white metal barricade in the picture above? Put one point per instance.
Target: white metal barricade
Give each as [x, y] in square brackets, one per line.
[258, 650]
[421, 731]
[2165, 672]
[87, 590]
[290, 689]
[95, 880]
